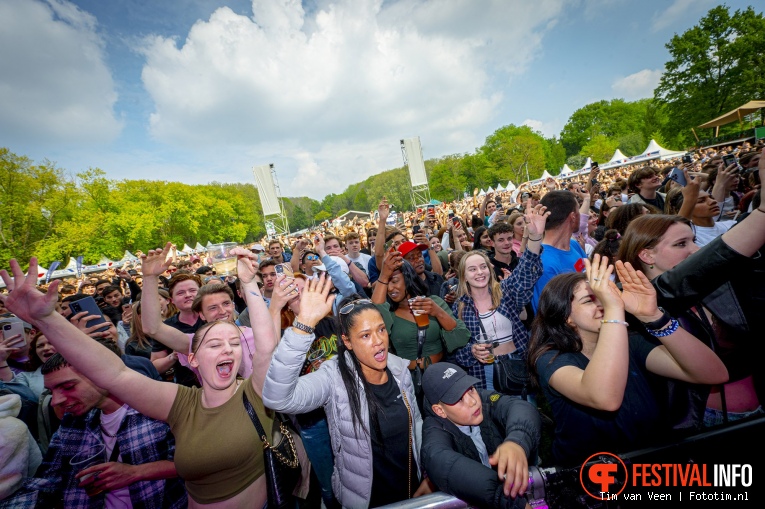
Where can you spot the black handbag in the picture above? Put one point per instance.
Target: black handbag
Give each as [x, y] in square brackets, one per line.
[511, 377]
[281, 460]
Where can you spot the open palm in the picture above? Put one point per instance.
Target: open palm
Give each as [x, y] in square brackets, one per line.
[26, 301]
[638, 294]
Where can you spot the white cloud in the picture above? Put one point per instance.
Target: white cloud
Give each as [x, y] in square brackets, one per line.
[55, 85]
[677, 11]
[638, 85]
[338, 87]
[548, 129]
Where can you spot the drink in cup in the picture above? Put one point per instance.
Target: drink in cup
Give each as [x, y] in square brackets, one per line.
[488, 344]
[93, 455]
[223, 261]
[316, 357]
[421, 318]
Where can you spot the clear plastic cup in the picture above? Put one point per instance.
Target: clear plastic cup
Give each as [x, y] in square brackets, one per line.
[93, 455]
[223, 261]
[488, 344]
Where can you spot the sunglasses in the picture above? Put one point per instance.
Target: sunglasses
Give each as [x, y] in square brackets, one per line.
[311, 257]
[349, 307]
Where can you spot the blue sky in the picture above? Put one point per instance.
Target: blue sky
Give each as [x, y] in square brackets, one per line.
[203, 90]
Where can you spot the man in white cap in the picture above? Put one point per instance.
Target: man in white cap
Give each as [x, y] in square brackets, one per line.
[476, 444]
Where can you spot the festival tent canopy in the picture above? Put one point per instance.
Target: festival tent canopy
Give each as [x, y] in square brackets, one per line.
[587, 164]
[490, 190]
[566, 170]
[482, 193]
[656, 151]
[546, 175]
[433, 201]
[510, 186]
[500, 188]
[129, 257]
[186, 249]
[618, 157]
[199, 247]
[209, 243]
[734, 115]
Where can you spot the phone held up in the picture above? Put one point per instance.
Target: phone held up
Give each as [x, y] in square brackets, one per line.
[730, 159]
[415, 229]
[279, 268]
[13, 329]
[687, 159]
[678, 176]
[89, 304]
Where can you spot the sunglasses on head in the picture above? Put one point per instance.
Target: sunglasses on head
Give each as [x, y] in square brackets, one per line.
[311, 257]
[349, 307]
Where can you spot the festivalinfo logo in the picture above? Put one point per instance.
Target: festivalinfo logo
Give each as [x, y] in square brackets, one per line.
[604, 476]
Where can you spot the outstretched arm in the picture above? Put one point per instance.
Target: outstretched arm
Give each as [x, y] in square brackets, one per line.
[749, 236]
[153, 264]
[106, 370]
[263, 332]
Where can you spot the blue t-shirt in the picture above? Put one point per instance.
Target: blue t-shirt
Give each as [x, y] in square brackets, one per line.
[556, 261]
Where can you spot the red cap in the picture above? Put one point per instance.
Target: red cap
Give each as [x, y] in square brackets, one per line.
[407, 247]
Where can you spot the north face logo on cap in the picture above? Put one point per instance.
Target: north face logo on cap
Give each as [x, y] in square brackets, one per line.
[448, 373]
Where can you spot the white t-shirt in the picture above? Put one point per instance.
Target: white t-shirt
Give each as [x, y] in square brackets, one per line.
[363, 259]
[706, 234]
[110, 424]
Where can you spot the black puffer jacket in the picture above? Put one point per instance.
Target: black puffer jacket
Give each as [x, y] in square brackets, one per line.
[451, 459]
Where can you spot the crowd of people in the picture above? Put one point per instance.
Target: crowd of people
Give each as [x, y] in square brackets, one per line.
[450, 349]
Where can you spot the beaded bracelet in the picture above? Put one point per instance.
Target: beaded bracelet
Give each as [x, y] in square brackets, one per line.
[673, 326]
[615, 321]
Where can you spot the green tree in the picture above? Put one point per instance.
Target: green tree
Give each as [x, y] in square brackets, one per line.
[447, 180]
[600, 148]
[714, 67]
[512, 152]
[555, 155]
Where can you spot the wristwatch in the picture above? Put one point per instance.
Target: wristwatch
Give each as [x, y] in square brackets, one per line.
[303, 327]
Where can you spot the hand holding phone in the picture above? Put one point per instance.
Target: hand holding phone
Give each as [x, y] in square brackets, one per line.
[88, 304]
[14, 329]
[678, 176]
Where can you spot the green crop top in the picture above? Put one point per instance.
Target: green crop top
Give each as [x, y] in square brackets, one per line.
[217, 450]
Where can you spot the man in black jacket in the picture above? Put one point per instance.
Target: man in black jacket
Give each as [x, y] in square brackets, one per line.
[468, 433]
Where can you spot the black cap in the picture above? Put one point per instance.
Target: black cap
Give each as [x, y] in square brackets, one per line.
[204, 269]
[446, 382]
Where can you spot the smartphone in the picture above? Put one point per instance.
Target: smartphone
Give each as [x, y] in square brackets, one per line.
[678, 176]
[13, 328]
[415, 229]
[594, 165]
[456, 222]
[730, 159]
[687, 159]
[451, 215]
[279, 269]
[89, 304]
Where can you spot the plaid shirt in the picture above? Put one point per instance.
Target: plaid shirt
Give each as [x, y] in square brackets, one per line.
[141, 440]
[517, 291]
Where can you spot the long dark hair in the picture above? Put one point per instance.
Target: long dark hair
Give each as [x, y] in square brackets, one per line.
[477, 233]
[351, 373]
[550, 329]
[415, 287]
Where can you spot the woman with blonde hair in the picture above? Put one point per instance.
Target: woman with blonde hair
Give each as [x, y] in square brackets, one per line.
[491, 308]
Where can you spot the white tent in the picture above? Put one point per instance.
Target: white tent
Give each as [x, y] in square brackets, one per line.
[129, 257]
[199, 248]
[565, 170]
[618, 157]
[186, 249]
[209, 243]
[545, 175]
[482, 193]
[490, 190]
[587, 164]
[655, 150]
[510, 186]
[500, 188]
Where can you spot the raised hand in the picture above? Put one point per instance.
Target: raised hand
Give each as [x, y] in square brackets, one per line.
[155, 262]
[284, 291]
[316, 302]
[638, 294]
[246, 264]
[383, 209]
[599, 278]
[536, 218]
[391, 263]
[24, 299]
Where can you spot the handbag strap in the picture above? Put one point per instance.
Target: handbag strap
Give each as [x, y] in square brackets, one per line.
[421, 333]
[254, 418]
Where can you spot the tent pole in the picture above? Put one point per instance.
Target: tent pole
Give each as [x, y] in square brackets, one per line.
[695, 135]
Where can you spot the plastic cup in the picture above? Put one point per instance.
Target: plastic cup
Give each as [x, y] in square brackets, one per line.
[421, 318]
[93, 455]
[223, 261]
[315, 357]
[488, 345]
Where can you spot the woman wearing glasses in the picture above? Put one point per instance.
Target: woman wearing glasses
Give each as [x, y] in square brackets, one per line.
[367, 394]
